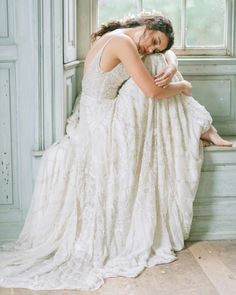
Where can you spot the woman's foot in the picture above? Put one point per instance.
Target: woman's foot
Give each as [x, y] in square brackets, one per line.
[213, 137]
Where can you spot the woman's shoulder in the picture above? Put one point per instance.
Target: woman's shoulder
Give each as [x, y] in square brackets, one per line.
[117, 39]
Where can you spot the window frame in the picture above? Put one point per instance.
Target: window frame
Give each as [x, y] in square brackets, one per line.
[201, 51]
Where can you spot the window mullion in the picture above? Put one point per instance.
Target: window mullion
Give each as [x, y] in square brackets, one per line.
[183, 23]
[229, 21]
[139, 4]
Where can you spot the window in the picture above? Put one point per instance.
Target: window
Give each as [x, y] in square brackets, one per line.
[201, 27]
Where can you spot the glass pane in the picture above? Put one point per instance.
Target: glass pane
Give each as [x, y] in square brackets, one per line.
[170, 9]
[112, 9]
[205, 22]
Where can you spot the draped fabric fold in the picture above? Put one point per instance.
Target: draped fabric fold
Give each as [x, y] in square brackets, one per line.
[115, 194]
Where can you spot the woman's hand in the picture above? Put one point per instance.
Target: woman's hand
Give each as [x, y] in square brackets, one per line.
[164, 77]
[187, 88]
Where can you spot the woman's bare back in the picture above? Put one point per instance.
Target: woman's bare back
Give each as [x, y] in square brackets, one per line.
[108, 59]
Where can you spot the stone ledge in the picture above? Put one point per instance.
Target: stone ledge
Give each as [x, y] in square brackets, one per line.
[219, 158]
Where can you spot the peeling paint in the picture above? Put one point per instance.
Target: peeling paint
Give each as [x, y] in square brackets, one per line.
[5, 178]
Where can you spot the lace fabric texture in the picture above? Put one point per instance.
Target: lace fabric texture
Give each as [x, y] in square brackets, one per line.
[115, 194]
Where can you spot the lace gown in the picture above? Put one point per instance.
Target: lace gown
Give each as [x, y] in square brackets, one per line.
[114, 195]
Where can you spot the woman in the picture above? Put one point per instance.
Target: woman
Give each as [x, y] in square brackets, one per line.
[115, 194]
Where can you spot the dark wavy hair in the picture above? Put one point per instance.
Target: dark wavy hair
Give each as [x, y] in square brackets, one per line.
[152, 21]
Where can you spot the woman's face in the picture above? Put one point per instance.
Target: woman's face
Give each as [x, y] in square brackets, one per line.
[152, 41]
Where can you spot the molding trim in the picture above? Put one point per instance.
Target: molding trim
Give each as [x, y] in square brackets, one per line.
[72, 65]
[93, 7]
[10, 153]
[8, 53]
[224, 96]
[70, 30]
[7, 21]
[49, 123]
[207, 66]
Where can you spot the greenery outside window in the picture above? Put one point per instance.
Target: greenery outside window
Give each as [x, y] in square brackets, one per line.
[202, 27]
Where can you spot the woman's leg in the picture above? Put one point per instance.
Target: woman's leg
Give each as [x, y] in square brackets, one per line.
[210, 136]
[213, 137]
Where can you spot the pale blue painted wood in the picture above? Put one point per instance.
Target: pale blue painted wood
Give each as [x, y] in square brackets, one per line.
[7, 16]
[214, 208]
[216, 157]
[9, 207]
[49, 111]
[10, 230]
[4, 31]
[6, 180]
[217, 183]
[71, 63]
[215, 95]
[70, 30]
[17, 68]
[218, 94]
[212, 224]
[71, 90]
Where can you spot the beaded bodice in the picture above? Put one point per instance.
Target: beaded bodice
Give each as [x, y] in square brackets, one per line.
[103, 85]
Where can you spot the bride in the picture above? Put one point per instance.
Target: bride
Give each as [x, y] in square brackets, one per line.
[114, 195]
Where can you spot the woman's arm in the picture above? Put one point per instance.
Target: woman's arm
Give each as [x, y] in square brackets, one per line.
[123, 48]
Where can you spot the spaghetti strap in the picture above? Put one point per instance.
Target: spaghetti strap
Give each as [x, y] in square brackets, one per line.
[97, 58]
[104, 45]
[99, 54]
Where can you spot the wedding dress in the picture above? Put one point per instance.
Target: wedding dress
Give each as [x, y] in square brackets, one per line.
[115, 194]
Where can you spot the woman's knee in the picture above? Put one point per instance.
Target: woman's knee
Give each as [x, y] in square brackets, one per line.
[154, 62]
